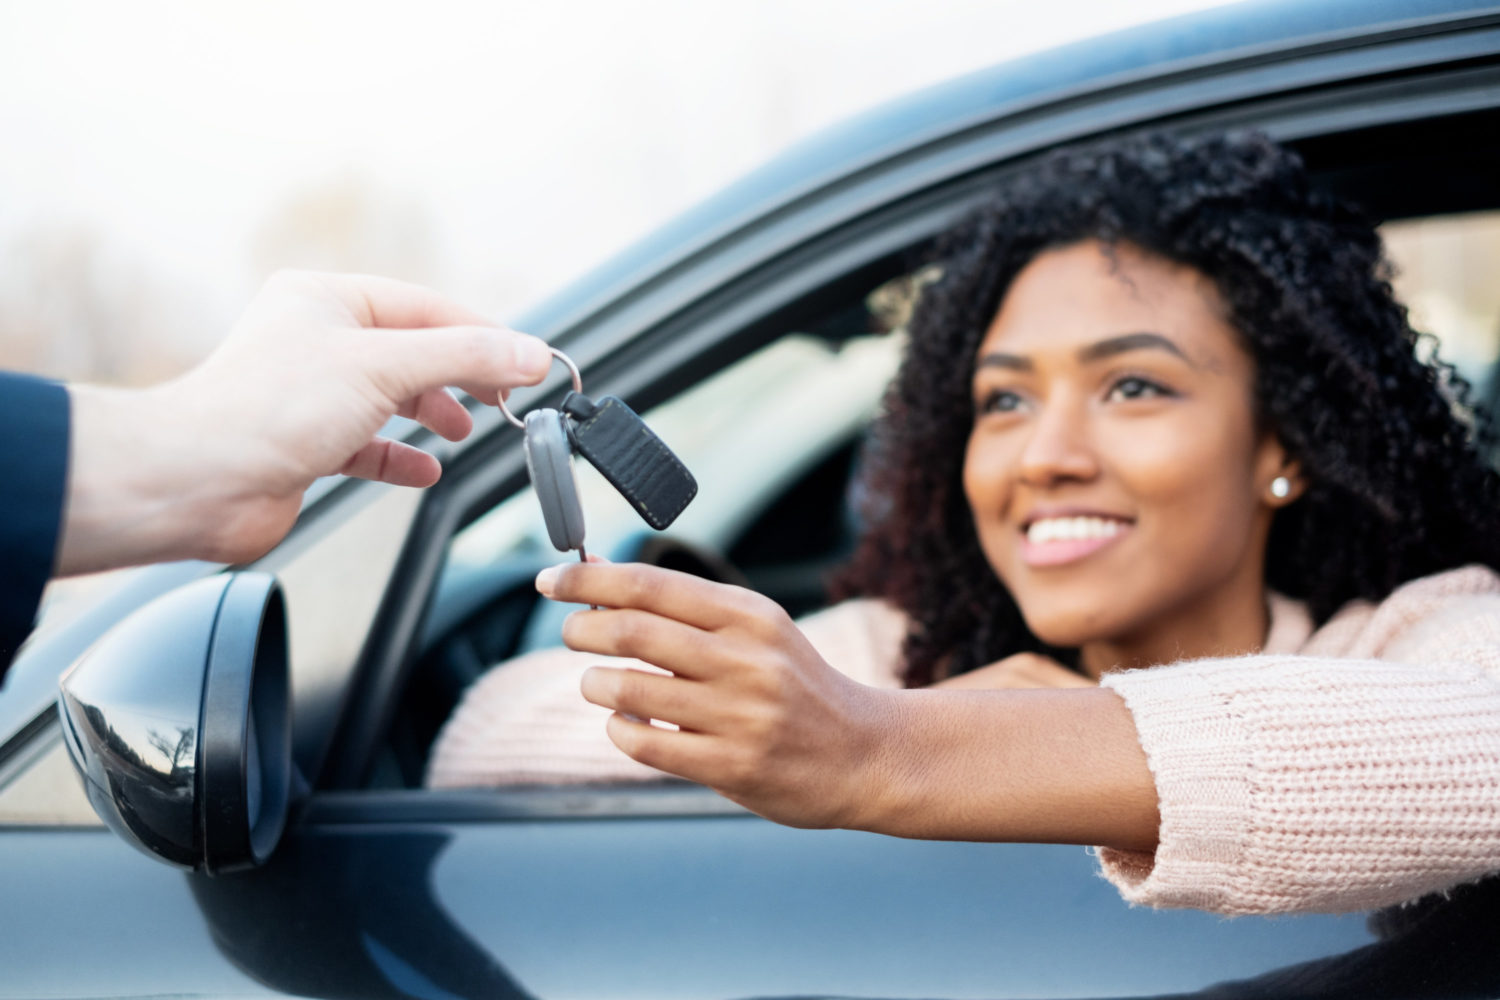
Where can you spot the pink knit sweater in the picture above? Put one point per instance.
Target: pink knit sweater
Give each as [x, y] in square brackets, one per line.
[1345, 768]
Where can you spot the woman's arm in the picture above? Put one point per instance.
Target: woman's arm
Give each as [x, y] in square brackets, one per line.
[1015, 672]
[1357, 771]
[1042, 766]
[766, 722]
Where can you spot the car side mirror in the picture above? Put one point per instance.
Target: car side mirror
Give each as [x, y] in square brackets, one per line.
[178, 720]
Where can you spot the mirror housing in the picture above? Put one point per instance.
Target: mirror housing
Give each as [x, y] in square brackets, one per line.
[179, 722]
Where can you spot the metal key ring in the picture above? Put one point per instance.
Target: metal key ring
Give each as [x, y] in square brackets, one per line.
[577, 386]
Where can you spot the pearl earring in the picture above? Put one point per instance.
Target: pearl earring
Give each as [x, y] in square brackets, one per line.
[1281, 487]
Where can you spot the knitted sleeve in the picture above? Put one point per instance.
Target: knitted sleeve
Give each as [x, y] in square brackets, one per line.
[524, 722]
[1361, 773]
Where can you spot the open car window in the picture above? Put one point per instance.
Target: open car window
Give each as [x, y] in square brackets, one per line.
[771, 439]
[775, 326]
[1445, 274]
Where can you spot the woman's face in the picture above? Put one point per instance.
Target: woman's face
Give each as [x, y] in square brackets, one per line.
[1118, 481]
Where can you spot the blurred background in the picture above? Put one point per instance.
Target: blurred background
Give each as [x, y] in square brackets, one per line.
[161, 158]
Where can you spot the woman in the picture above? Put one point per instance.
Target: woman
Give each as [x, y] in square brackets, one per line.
[1160, 426]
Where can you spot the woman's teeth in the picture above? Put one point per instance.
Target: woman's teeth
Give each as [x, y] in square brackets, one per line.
[1054, 529]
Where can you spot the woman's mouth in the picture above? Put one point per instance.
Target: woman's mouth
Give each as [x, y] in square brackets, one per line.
[1053, 541]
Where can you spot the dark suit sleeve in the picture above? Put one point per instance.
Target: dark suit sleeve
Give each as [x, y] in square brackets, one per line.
[33, 485]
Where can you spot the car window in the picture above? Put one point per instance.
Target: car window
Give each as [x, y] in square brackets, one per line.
[43, 789]
[770, 439]
[1445, 274]
[772, 436]
[334, 581]
[749, 433]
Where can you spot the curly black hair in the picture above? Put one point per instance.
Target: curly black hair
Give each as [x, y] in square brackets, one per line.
[1397, 487]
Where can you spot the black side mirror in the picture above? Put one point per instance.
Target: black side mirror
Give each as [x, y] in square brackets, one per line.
[178, 720]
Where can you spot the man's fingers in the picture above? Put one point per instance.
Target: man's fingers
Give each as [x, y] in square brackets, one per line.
[488, 395]
[650, 696]
[393, 462]
[410, 362]
[640, 635]
[689, 599]
[439, 412]
[387, 302]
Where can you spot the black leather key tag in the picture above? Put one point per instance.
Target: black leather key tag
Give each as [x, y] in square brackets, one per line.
[618, 443]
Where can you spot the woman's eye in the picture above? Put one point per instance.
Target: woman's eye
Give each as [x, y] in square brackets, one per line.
[999, 401]
[1135, 387]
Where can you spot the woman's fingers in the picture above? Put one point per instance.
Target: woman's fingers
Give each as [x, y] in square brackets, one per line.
[685, 598]
[686, 754]
[641, 635]
[644, 695]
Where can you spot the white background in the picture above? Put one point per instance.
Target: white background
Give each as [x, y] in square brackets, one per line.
[159, 159]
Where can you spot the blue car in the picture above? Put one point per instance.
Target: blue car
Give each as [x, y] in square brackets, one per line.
[247, 817]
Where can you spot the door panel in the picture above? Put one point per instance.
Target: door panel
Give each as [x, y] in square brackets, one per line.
[85, 915]
[715, 906]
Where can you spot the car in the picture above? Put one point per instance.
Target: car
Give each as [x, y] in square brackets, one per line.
[251, 819]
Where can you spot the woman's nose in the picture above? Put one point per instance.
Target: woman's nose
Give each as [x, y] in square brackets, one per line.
[1058, 449]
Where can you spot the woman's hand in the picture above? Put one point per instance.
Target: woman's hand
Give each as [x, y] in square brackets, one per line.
[1021, 670]
[762, 718]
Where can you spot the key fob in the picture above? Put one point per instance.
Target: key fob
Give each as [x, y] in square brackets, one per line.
[548, 460]
[635, 461]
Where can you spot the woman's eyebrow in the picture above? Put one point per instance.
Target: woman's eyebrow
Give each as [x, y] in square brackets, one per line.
[997, 359]
[1093, 352]
[1131, 342]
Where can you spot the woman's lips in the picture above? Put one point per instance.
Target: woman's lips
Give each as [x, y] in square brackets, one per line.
[1054, 542]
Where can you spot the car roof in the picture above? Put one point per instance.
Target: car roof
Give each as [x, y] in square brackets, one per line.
[1154, 49]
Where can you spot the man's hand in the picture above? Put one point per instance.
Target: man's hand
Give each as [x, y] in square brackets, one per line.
[1021, 670]
[213, 465]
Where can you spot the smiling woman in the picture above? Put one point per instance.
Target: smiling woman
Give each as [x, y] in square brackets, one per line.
[1161, 424]
[1099, 457]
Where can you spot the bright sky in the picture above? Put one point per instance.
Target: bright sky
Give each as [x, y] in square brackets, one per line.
[504, 147]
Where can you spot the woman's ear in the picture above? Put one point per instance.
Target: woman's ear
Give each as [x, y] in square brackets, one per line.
[1278, 476]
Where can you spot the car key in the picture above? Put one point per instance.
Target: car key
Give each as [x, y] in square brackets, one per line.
[615, 441]
[626, 452]
[549, 461]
